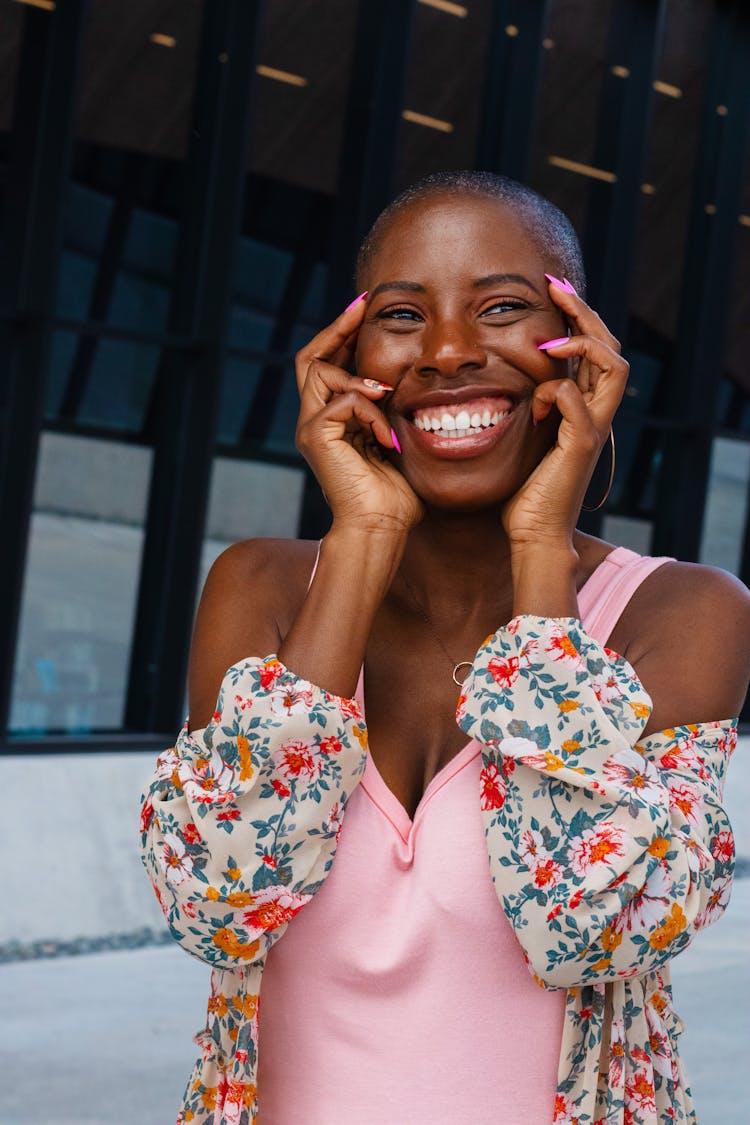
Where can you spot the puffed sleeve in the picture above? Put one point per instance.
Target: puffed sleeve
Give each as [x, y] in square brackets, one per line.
[607, 852]
[241, 819]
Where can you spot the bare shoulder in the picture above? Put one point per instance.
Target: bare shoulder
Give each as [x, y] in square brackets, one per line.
[251, 596]
[689, 640]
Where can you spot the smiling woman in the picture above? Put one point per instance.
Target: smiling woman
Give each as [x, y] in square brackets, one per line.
[477, 930]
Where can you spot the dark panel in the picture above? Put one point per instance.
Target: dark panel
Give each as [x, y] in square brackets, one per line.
[696, 366]
[29, 251]
[184, 410]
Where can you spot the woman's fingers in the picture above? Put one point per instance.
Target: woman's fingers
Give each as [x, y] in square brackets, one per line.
[601, 377]
[335, 341]
[324, 381]
[582, 318]
[339, 414]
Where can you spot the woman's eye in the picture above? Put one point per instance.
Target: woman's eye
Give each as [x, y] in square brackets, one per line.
[506, 304]
[399, 314]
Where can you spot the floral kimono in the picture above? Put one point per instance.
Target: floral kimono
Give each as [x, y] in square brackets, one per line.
[607, 851]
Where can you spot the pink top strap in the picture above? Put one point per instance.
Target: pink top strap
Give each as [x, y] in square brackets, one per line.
[603, 598]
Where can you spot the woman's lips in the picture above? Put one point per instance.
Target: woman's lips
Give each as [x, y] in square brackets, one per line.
[461, 441]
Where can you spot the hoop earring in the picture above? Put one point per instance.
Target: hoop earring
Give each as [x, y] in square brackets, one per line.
[602, 502]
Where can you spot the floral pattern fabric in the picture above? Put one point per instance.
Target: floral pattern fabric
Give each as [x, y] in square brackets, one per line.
[608, 851]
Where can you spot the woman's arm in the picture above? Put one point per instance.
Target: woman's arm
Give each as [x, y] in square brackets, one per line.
[241, 818]
[608, 850]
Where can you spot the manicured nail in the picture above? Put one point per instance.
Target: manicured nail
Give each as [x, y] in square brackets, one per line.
[396, 442]
[356, 301]
[554, 343]
[567, 285]
[555, 280]
[374, 385]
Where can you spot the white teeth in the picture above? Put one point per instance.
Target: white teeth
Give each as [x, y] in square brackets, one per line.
[460, 424]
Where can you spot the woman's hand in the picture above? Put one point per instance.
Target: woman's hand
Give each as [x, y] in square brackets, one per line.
[342, 432]
[545, 509]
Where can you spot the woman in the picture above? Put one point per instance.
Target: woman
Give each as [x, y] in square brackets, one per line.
[455, 463]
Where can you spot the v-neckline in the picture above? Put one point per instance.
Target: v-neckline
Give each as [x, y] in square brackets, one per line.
[386, 800]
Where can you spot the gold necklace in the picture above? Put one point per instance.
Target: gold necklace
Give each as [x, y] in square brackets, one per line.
[457, 666]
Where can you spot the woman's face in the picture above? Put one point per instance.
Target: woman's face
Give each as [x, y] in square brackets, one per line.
[457, 305]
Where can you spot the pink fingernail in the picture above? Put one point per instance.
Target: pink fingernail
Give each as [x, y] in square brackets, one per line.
[555, 280]
[376, 386]
[568, 286]
[554, 343]
[356, 301]
[396, 442]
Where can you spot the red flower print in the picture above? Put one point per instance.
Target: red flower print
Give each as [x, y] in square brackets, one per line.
[243, 702]
[147, 814]
[273, 907]
[281, 789]
[296, 759]
[229, 814]
[269, 674]
[349, 708]
[547, 873]
[504, 672]
[722, 848]
[330, 745]
[269, 862]
[191, 834]
[492, 785]
[554, 912]
[560, 647]
[596, 845]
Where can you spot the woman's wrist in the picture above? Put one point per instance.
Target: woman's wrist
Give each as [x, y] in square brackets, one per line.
[545, 579]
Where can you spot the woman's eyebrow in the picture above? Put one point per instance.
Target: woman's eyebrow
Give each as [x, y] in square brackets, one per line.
[386, 286]
[502, 278]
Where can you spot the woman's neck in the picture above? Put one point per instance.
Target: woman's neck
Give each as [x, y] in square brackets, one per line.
[458, 561]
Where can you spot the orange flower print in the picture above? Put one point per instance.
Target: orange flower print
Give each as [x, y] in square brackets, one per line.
[492, 788]
[228, 942]
[639, 1092]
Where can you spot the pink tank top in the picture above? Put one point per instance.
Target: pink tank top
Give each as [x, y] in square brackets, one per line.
[399, 993]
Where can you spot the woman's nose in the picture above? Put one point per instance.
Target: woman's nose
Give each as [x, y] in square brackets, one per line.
[448, 348]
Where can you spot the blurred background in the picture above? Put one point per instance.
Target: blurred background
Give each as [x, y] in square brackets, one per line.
[183, 186]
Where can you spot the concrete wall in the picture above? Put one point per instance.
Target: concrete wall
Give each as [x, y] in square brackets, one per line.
[69, 837]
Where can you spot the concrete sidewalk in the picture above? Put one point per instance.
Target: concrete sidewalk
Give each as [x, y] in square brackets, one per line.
[105, 1039]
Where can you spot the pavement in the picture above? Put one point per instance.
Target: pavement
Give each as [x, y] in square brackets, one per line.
[105, 1039]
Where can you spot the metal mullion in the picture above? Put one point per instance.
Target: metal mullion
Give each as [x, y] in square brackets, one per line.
[696, 367]
[513, 68]
[635, 39]
[622, 137]
[38, 168]
[367, 161]
[184, 408]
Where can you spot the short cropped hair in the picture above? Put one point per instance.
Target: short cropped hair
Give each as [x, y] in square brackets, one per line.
[552, 230]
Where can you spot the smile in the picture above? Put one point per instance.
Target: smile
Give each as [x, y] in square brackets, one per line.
[464, 428]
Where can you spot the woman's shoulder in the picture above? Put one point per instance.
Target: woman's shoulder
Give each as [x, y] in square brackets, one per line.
[689, 630]
[274, 571]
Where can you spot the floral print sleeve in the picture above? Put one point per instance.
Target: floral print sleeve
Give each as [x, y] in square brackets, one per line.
[607, 852]
[238, 831]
